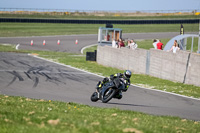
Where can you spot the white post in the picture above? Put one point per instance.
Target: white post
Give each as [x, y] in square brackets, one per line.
[192, 44]
[199, 39]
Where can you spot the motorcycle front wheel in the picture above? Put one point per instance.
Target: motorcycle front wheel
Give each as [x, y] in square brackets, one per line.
[108, 95]
[94, 97]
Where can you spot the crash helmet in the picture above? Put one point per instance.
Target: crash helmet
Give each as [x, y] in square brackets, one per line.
[127, 74]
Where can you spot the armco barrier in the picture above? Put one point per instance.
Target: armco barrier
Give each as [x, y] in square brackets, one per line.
[181, 66]
[31, 20]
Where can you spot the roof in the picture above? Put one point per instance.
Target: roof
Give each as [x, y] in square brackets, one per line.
[103, 28]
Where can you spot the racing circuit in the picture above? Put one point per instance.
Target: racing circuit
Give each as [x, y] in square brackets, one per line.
[34, 77]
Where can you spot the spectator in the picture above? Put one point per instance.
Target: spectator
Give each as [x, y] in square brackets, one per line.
[133, 45]
[129, 43]
[118, 42]
[114, 44]
[108, 37]
[159, 45]
[121, 43]
[155, 41]
[175, 47]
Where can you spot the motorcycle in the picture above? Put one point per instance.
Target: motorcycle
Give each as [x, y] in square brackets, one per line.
[109, 90]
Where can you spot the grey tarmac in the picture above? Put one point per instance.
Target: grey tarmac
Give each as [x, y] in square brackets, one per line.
[24, 75]
[67, 42]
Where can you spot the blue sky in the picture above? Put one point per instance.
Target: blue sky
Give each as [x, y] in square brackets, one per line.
[104, 4]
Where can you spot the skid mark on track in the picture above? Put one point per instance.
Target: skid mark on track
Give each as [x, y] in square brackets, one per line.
[23, 63]
[16, 75]
[8, 63]
[13, 80]
[28, 75]
[36, 80]
[35, 73]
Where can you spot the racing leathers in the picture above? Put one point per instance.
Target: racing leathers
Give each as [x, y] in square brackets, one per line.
[126, 82]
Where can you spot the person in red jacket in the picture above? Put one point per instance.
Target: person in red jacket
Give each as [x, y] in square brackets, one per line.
[159, 45]
[121, 43]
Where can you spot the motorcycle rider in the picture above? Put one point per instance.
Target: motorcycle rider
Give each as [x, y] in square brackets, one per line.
[126, 80]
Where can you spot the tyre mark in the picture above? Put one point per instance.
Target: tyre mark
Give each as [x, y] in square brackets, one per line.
[13, 80]
[28, 75]
[7, 62]
[16, 75]
[23, 63]
[36, 80]
[34, 73]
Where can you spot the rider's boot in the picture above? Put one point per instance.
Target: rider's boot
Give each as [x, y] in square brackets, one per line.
[99, 85]
[98, 88]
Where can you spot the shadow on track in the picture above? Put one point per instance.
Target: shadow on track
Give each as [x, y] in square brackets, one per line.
[125, 104]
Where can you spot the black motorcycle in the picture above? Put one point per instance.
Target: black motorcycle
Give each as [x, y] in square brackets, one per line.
[109, 90]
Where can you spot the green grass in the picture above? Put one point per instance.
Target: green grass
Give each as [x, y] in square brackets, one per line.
[90, 49]
[137, 79]
[24, 115]
[195, 44]
[147, 44]
[45, 29]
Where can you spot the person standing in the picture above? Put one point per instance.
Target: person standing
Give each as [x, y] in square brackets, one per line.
[133, 45]
[155, 41]
[129, 44]
[114, 45]
[159, 45]
[121, 43]
[175, 47]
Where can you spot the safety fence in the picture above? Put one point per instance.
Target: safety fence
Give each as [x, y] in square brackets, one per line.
[25, 20]
[182, 66]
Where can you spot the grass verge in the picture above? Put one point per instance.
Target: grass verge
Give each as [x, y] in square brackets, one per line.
[24, 115]
[45, 29]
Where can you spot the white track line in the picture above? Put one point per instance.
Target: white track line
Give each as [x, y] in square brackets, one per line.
[17, 47]
[87, 47]
[103, 77]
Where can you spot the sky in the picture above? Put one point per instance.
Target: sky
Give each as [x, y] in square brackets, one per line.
[108, 5]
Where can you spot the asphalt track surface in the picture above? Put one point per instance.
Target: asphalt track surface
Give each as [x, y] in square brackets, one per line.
[28, 76]
[67, 42]
[24, 75]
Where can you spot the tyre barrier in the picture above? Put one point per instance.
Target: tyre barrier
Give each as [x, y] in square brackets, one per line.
[91, 56]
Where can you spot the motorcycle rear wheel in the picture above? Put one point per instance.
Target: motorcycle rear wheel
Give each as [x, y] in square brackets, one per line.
[108, 95]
